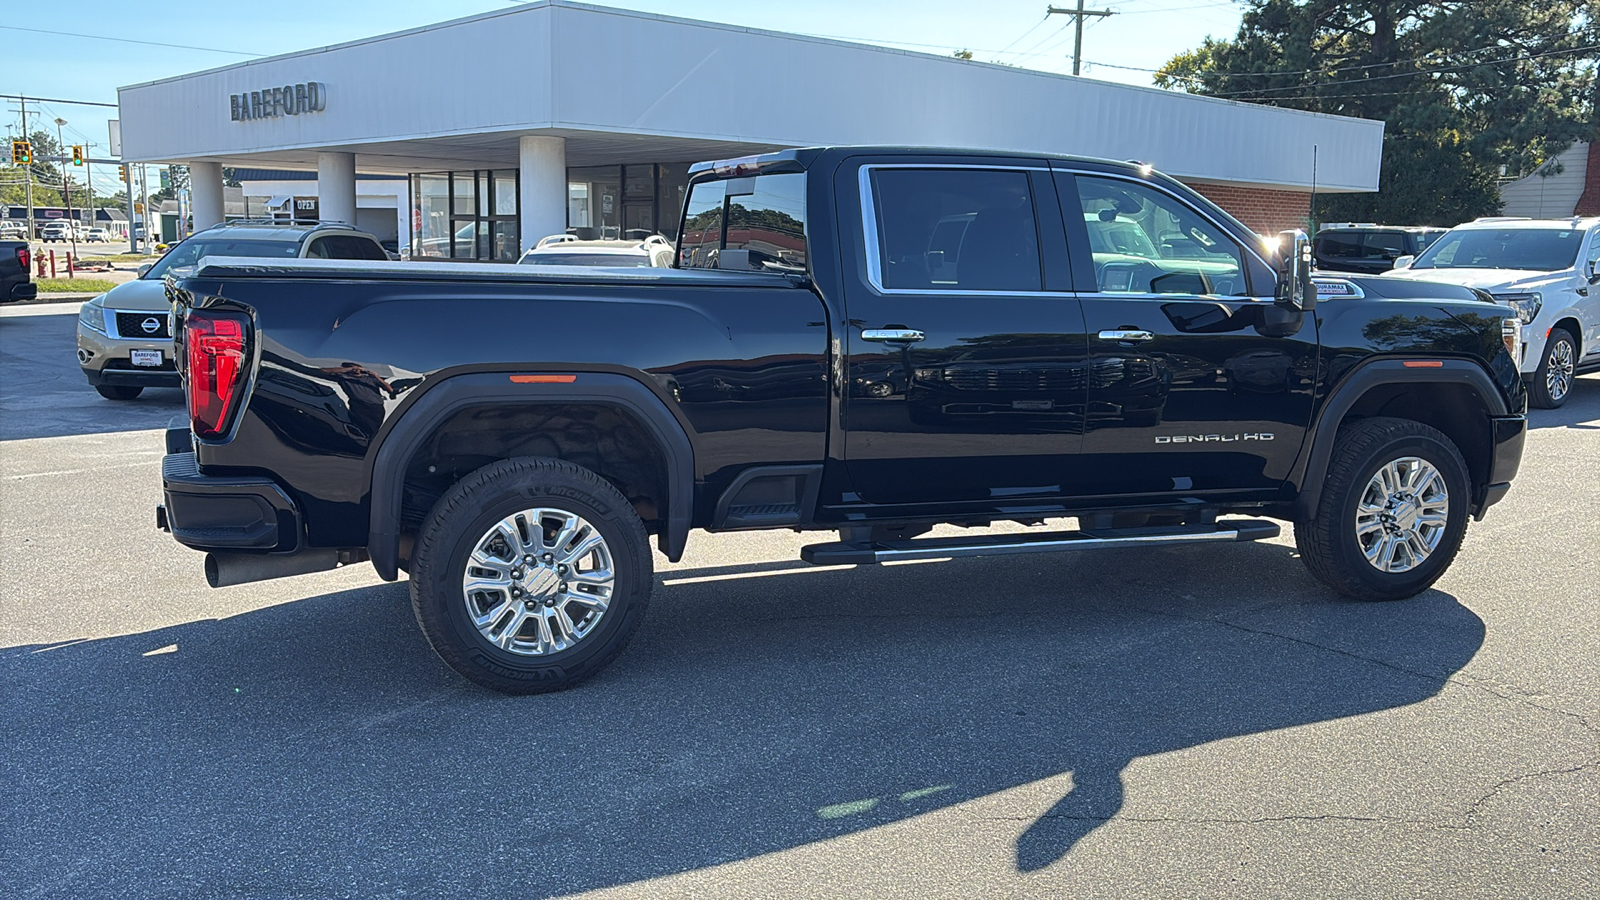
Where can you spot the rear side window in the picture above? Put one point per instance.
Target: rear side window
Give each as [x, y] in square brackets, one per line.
[1339, 245]
[344, 246]
[955, 230]
[756, 223]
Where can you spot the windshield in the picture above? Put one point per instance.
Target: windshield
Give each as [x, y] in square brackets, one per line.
[615, 260]
[191, 251]
[1534, 249]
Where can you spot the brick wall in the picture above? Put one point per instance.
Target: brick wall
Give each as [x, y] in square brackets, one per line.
[1266, 211]
[1589, 203]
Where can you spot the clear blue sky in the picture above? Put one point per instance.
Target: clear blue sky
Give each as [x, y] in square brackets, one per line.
[1144, 34]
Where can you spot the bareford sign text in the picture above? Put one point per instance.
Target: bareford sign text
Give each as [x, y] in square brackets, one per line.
[289, 100]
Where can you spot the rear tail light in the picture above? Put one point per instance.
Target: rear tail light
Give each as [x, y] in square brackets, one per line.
[215, 344]
[24, 257]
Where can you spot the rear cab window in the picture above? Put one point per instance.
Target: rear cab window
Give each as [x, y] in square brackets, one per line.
[749, 223]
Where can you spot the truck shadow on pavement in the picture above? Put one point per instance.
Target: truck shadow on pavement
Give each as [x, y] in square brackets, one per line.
[317, 748]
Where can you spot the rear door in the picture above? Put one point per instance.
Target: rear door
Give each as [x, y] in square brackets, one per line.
[964, 348]
[1191, 390]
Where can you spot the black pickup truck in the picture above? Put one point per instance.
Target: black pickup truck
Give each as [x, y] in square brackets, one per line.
[16, 274]
[872, 341]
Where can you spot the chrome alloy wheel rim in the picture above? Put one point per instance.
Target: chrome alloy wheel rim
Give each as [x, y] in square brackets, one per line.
[538, 581]
[1558, 378]
[1401, 516]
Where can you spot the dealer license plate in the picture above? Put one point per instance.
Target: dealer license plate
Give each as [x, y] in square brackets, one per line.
[145, 357]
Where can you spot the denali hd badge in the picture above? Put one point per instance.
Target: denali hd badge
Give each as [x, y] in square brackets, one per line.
[1208, 438]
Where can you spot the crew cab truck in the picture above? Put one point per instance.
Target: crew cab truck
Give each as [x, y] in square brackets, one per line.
[872, 341]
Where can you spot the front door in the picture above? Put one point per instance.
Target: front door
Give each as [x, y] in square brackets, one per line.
[1197, 383]
[964, 347]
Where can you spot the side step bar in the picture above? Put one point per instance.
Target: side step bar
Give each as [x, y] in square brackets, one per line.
[864, 552]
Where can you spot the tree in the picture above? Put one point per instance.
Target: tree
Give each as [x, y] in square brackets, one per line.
[1464, 86]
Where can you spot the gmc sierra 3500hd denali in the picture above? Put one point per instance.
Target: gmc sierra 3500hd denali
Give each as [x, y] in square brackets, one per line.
[866, 340]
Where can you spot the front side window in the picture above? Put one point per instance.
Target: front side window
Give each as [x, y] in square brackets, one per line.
[1532, 249]
[955, 230]
[1146, 242]
[756, 223]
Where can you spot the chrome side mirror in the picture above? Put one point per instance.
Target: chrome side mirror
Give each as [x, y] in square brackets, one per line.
[1404, 262]
[144, 268]
[1295, 289]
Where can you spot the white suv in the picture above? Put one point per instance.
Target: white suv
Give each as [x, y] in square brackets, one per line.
[1543, 268]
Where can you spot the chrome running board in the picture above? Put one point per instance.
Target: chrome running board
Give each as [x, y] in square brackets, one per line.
[865, 552]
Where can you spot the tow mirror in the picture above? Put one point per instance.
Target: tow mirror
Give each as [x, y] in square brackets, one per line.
[1404, 262]
[1295, 289]
[143, 269]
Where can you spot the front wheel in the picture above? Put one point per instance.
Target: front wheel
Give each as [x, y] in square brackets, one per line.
[1552, 381]
[1393, 510]
[530, 575]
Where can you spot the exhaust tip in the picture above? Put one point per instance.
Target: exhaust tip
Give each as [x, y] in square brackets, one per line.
[212, 577]
[84, 356]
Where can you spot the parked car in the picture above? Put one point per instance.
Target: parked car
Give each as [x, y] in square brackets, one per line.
[510, 436]
[1366, 247]
[655, 250]
[11, 229]
[16, 274]
[97, 235]
[60, 231]
[1546, 270]
[124, 344]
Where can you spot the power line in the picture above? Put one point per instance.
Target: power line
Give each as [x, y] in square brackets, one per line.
[1430, 71]
[1023, 35]
[101, 37]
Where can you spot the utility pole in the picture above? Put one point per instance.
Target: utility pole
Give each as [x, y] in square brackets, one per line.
[127, 202]
[1080, 14]
[66, 190]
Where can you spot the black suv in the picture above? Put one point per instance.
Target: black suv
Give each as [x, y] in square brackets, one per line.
[1367, 248]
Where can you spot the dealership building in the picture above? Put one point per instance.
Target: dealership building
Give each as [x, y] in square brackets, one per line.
[588, 119]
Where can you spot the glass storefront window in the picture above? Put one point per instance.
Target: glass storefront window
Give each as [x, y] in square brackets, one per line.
[430, 219]
[602, 188]
[505, 193]
[672, 184]
[472, 215]
[475, 214]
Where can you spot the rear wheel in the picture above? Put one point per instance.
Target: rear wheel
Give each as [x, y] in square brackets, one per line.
[1552, 382]
[118, 391]
[530, 575]
[1393, 511]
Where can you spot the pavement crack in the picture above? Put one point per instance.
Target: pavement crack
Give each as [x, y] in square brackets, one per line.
[1503, 784]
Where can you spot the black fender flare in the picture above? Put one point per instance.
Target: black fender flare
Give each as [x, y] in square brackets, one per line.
[1314, 457]
[456, 393]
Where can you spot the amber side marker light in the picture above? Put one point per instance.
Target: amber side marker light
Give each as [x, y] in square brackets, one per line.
[1423, 364]
[543, 379]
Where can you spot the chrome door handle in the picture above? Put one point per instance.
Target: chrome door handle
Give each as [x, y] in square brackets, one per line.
[1126, 335]
[892, 335]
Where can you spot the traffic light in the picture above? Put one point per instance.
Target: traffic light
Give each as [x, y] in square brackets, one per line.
[122, 173]
[22, 153]
[77, 155]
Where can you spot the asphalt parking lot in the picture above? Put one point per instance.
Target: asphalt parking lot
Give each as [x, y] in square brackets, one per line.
[1205, 721]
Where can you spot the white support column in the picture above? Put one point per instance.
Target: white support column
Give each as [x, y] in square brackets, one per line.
[543, 163]
[336, 187]
[205, 194]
